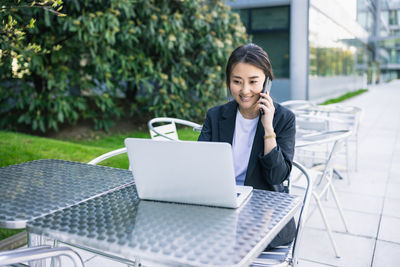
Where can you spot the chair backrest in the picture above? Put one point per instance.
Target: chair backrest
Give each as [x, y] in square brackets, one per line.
[297, 104]
[159, 132]
[107, 155]
[168, 131]
[324, 148]
[38, 253]
[337, 116]
[304, 209]
[332, 157]
[164, 132]
[309, 124]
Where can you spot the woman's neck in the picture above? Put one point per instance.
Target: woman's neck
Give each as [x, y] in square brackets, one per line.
[249, 114]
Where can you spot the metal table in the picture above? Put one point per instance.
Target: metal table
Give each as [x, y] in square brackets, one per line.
[319, 138]
[36, 188]
[333, 108]
[147, 232]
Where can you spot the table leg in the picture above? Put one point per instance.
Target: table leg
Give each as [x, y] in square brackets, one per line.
[137, 263]
[33, 241]
[55, 261]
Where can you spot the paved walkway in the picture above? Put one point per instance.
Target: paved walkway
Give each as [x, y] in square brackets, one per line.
[371, 202]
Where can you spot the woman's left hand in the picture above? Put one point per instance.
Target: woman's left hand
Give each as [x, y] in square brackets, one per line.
[268, 107]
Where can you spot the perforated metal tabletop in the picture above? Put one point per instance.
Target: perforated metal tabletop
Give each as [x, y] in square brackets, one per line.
[37, 188]
[167, 233]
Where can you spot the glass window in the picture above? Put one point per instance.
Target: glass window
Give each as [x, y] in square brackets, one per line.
[332, 48]
[270, 18]
[365, 17]
[277, 47]
[269, 28]
[385, 16]
[395, 32]
[393, 18]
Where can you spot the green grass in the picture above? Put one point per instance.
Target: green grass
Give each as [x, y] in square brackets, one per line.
[4, 233]
[344, 97]
[117, 140]
[17, 148]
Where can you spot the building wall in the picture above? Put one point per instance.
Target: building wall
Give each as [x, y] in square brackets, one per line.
[381, 19]
[389, 40]
[314, 48]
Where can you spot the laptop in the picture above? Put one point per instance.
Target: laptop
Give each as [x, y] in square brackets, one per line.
[185, 172]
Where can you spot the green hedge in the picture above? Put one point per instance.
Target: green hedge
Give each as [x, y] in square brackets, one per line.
[108, 59]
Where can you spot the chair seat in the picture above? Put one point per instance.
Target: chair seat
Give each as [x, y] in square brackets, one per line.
[279, 256]
[295, 176]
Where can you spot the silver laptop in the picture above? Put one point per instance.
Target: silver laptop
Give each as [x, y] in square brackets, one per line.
[185, 172]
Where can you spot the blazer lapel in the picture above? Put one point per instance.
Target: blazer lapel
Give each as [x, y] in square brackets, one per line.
[227, 123]
[257, 148]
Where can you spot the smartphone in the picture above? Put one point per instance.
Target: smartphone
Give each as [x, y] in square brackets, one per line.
[267, 88]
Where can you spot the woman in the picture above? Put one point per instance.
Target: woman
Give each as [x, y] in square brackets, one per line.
[262, 145]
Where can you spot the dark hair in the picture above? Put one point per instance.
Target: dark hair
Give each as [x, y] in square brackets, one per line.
[251, 54]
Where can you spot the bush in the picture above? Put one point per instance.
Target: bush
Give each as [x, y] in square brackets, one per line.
[113, 58]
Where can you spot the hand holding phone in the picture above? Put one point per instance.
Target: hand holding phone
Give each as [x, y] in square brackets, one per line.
[267, 88]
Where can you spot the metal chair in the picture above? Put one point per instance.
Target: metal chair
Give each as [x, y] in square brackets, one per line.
[38, 253]
[107, 155]
[163, 132]
[349, 118]
[168, 130]
[297, 104]
[307, 125]
[288, 255]
[323, 179]
[336, 117]
[325, 122]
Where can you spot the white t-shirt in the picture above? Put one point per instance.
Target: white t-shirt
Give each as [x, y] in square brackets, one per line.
[242, 143]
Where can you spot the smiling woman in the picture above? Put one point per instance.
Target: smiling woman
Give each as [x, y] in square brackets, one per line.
[246, 84]
[262, 144]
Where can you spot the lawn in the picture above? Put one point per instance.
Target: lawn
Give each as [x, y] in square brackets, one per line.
[344, 97]
[17, 148]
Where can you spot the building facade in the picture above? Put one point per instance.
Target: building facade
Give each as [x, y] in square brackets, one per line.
[317, 49]
[381, 18]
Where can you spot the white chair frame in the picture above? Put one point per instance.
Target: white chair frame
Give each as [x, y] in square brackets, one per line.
[38, 253]
[107, 155]
[336, 115]
[288, 255]
[326, 177]
[155, 132]
[297, 104]
[152, 128]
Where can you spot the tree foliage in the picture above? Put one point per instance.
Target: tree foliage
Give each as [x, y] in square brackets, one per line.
[111, 58]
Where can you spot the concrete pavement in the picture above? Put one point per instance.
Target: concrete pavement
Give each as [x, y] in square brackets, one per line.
[371, 202]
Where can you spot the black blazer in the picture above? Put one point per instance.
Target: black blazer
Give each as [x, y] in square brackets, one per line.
[264, 171]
